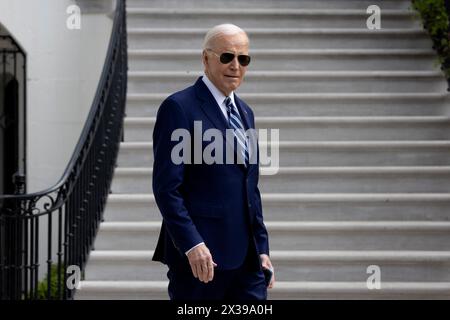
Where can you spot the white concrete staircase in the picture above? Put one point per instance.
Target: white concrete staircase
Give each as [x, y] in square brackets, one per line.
[365, 151]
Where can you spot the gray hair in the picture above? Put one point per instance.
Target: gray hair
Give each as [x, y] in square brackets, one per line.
[221, 29]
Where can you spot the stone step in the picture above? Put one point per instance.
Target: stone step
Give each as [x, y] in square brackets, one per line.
[265, 18]
[325, 153]
[285, 4]
[359, 290]
[122, 290]
[318, 104]
[435, 179]
[293, 290]
[280, 60]
[299, 81]
[357, 179]
[326, 128]
[311, 235]
[308, 207]
[294, 38]
[405, 266]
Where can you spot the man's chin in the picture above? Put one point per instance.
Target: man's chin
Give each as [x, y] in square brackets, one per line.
[232, 88]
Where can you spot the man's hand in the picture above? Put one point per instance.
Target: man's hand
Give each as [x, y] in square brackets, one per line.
[202, 264]
[265, 263]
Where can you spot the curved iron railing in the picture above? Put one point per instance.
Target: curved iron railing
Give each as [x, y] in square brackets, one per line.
[45, 236]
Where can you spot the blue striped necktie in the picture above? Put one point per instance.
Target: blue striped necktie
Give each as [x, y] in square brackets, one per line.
[235, 122]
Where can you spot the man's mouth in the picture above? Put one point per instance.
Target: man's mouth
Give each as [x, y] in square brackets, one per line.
[234, 77]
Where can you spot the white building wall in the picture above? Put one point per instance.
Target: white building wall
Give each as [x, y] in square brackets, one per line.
[63, 70]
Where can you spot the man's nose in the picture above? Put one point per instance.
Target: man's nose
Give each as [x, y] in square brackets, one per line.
[234, 64]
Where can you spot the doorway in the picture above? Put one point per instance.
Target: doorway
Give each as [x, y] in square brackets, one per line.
[12, 114]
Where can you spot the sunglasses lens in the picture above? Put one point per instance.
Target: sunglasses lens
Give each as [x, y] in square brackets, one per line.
[226, 57]
[244, 60]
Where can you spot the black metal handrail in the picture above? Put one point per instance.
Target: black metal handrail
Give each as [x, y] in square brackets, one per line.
[57, 227]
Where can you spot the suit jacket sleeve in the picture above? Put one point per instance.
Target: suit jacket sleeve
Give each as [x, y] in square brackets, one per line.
[168, 177]
[259, 229]
[261, 235]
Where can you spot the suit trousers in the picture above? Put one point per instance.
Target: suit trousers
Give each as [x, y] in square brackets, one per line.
[242, 283]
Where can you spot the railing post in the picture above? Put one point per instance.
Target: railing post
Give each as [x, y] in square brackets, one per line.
[13, 241]
[19, 183]
[19, 189]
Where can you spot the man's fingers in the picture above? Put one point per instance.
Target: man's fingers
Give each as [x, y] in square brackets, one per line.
[204, 276]
[194, 270]
[266, 264]
[272, 282]
[202, 264]
[210, 271]
[200, 272]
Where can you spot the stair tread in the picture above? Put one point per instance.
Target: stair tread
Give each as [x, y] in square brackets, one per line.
[320, 169]
[320, 73]
[261, 11]
[284, 289]
[325, 95]
[313, 52]
[299, 255]
[319, 144]
[280, 285]
[303, 225]
[324, 119]
[319, 197]
[202, 31]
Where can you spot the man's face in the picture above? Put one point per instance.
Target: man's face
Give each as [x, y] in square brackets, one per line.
[226, 77]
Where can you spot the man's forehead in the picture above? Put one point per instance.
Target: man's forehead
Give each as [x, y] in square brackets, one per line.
[228, 41]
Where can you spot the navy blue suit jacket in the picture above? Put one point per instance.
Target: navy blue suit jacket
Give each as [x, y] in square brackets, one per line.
[219, 204]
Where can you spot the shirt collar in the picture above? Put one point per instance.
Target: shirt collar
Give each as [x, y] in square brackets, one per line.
[218, 95]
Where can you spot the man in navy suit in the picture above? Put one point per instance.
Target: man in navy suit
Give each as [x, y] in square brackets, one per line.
[212, 237]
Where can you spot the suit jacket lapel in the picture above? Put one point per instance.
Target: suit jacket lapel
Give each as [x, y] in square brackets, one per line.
[210, 108]
[213, 112]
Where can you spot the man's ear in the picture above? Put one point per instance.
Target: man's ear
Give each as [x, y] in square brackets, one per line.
[204, 58]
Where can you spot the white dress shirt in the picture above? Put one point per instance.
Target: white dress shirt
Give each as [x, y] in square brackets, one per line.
[218, 95]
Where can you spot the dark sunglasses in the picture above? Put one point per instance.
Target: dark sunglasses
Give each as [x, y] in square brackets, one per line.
[227, 57]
